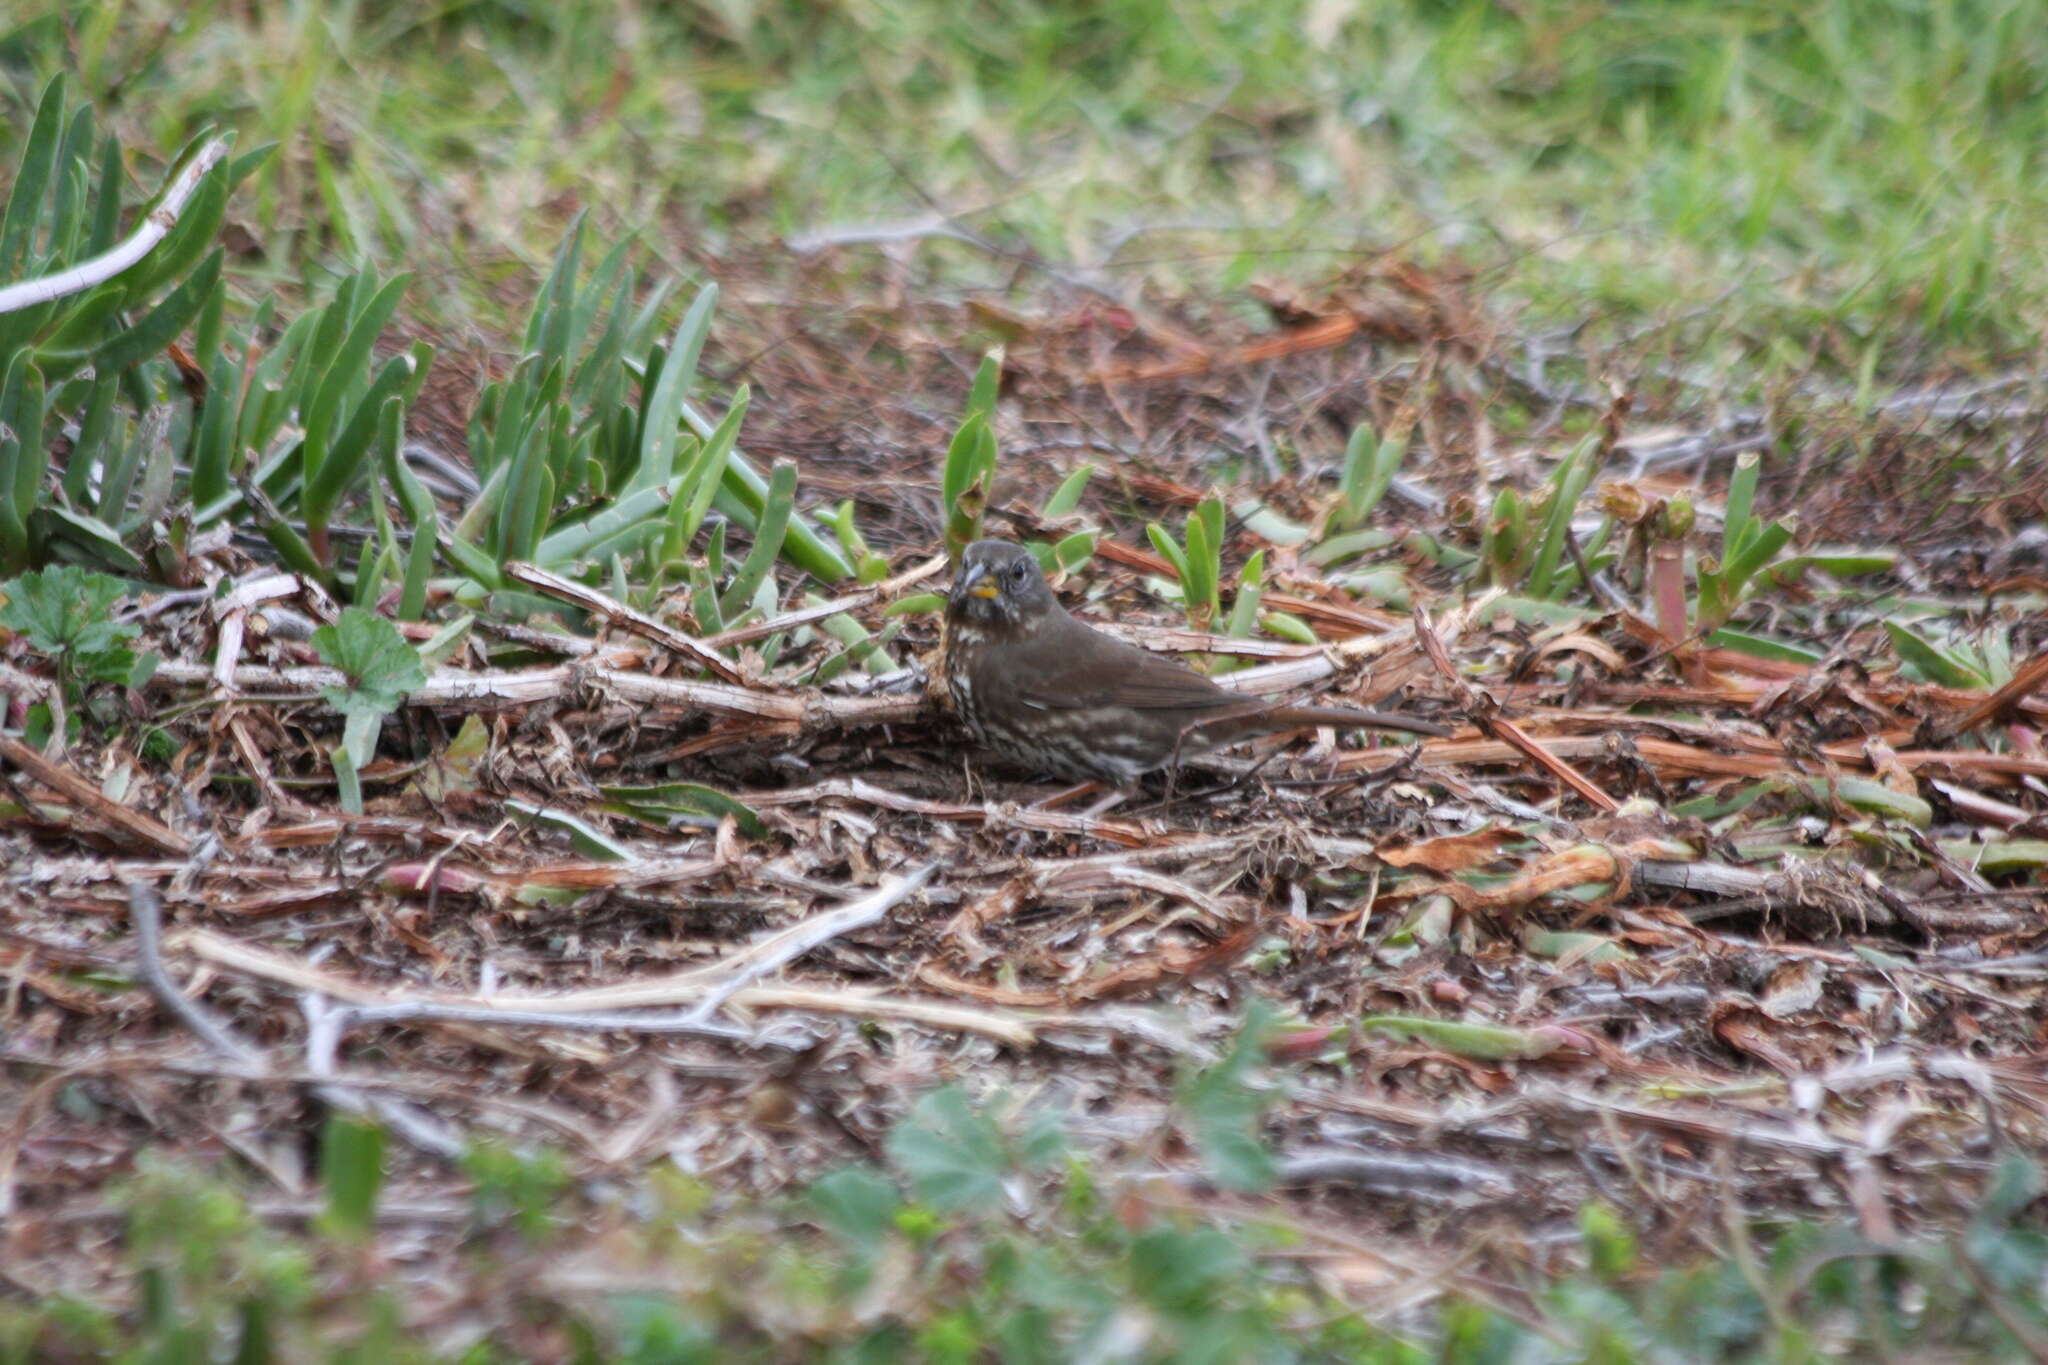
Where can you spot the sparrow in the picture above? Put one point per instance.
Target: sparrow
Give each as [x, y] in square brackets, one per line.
[1057, 697]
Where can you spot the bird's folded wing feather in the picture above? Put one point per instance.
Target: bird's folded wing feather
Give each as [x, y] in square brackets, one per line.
[1082, 669]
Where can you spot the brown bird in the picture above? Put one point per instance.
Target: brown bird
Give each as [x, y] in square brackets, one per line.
[1058, 697]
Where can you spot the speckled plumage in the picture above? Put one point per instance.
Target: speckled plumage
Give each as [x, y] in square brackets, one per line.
[1057, 697]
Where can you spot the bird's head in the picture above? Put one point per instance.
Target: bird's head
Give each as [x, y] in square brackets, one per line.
[998, 588]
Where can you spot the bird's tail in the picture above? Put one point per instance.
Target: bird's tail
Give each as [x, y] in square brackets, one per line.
[1344, 718]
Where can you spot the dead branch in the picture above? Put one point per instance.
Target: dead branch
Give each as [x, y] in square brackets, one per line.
[626, 618]
[144, 829]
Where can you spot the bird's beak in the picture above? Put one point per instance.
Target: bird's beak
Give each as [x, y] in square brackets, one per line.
[975, 582]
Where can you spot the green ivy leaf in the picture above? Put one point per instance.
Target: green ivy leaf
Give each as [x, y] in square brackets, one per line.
[522, 1187]
[380, 666]
[123, 667]
[953, 1155]
[2015, 1184]
[66, 608]
[1043, 1142]
[1223, 1109]
[857, 1203]
[1186, 1273]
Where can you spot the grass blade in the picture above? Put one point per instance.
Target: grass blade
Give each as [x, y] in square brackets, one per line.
[706, 474]
[767, 546]
[163, 324]
[38, 162]
[349, 364]
[665, 405]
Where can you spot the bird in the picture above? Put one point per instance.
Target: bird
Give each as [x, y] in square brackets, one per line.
[1054, 696]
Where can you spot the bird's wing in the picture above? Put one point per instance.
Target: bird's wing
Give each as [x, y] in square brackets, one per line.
[1079, 668]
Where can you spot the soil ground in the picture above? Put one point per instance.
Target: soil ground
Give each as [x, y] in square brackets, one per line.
[1816, 1008]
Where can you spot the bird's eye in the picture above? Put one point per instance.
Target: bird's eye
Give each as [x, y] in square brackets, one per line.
[1017, 573]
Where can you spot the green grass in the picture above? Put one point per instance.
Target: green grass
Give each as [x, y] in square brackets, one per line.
[1831, 183]
[981, 1238]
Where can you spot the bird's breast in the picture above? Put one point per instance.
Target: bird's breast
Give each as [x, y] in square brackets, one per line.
[962, 659]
